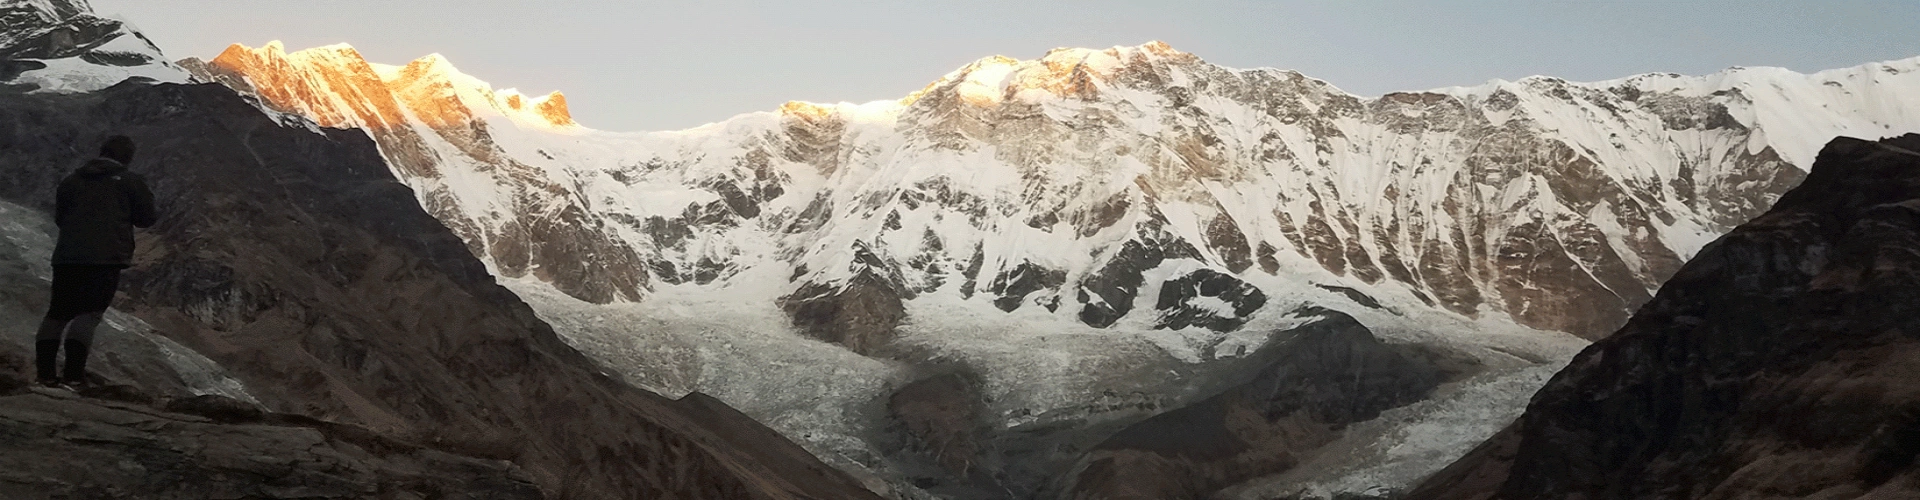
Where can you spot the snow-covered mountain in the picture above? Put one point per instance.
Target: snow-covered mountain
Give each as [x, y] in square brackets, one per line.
[1060, 182]
[61, 46]
[1086, 232]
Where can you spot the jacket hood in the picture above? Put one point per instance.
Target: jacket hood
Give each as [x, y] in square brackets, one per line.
[100, 167]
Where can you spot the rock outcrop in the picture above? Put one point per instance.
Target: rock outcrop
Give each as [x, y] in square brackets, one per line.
[60, 445]
[1781, 362]
[293, 258]
[860, 313]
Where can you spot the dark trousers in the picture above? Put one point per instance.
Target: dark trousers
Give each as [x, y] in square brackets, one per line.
[81, 295]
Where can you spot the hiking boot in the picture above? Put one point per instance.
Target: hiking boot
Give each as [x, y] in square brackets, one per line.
[75, 373]
[52, 388]
[45, 352]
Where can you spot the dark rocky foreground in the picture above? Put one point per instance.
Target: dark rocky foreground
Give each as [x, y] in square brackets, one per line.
[294, 259]
[1781, 362]
[61, 445]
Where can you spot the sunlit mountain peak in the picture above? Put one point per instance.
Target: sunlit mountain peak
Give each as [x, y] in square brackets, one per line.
[550, 108]
[429, 88]
[1061, 73]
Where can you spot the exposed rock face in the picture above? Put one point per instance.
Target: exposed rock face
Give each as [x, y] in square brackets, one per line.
[1779, 363]
[861, 315]
[1311, 384]
[1208, 299]
[296, 260]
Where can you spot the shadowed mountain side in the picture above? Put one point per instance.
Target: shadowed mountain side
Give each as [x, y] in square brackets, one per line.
[1313, 381]
[1779, 363]
[294, 259]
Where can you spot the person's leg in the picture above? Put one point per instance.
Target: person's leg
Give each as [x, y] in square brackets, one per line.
[100, 284]
[79, 343]
[61, 308]
[46, 346]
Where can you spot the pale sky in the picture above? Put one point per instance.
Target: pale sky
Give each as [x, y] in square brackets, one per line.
[662, 65]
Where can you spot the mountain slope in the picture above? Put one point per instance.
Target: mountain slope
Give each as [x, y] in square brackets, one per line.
[177, 425]
[316, 287]
[298, 263]
[1779, 363]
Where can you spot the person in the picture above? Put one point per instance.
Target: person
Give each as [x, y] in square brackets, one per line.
[96, 208]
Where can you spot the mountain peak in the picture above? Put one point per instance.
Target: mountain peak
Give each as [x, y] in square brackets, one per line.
[550, 108]
[433, 61]
[805, 110]
[554, 108]
[431, 86]
[1063, 71]
[275, 50]
[1151, 48]
[52, 10]
[431, 66]
[272, 49]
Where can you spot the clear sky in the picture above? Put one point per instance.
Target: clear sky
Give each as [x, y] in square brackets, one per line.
[658, 65]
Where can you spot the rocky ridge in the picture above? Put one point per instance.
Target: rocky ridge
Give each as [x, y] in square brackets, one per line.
[61, 46]
[1778, 363]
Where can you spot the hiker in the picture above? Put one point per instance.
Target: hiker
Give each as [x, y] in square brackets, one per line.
[96, 208]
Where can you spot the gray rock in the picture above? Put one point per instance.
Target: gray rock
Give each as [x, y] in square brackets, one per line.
[58, 445]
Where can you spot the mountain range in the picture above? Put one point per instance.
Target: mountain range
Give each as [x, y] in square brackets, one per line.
[1046, 182]
[1134, 219]
[1095, 274]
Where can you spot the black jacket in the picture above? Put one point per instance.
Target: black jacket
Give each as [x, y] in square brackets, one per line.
[97, 207]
